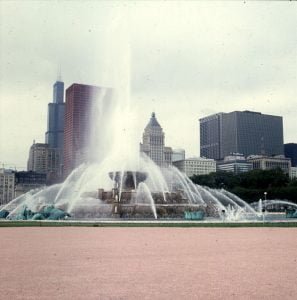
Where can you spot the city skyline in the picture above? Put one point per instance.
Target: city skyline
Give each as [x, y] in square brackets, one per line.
[192, 58]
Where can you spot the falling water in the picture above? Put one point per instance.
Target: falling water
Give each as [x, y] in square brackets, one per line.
[114, 147]
[144, 193]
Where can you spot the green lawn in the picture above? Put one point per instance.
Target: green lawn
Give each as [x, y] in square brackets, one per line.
[143, 224]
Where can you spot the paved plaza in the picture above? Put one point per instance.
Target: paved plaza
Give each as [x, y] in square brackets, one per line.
[148, 263]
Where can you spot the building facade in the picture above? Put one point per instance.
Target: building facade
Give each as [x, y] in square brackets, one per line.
[43, 159]
[246, 132]
[269, 163]
[153, 143]
[293, 172]
[7, 186]
[210, 136]
[167, 156]
[178, 154]
[26, 181]
[37, 161]
[77, 130]
[235, 164]
[291, 152]
[196, 166]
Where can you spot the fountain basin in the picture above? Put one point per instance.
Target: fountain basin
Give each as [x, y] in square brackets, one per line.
[127, 180]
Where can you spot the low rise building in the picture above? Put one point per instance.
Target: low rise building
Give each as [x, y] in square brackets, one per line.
[270, 162]
[28, 180]
[293, 172]
[196, 166]
[235, 163]
[178, 154]
[7, 181]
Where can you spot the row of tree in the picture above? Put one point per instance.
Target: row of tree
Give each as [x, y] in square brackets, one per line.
[252, 185]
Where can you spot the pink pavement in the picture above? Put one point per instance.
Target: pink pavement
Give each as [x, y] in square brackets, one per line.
[148, 263]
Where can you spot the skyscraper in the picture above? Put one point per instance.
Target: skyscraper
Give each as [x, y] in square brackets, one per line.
[54, 135]
[79, 98]
[291, 152]
[244, 132]
[153, 143]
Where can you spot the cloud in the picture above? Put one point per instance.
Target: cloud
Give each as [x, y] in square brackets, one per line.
[187, 60]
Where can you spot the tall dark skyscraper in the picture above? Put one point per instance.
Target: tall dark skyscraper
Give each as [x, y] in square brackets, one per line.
[291, 152]
[244, 132]
[54, 135]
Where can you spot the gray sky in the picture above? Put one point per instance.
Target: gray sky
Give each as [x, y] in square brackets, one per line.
[188, 60]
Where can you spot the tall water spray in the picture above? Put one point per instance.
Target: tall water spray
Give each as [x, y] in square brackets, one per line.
[114, 148]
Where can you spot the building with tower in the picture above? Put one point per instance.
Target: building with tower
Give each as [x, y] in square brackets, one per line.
[153, 143]
[54, 135]
[245, 132]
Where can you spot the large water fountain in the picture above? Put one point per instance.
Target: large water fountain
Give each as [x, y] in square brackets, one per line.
[148, 193]
[118, 181]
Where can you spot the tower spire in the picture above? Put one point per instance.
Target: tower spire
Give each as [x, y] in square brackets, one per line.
[59, 76]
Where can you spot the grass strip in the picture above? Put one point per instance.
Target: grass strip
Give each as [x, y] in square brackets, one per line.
[143, 224]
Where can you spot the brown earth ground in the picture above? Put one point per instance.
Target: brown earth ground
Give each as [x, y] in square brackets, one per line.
[148, 263]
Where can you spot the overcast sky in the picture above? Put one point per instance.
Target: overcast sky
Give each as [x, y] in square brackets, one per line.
[188, 60]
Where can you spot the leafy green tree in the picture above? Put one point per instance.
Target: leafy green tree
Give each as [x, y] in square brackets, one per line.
[251, 185]
[293, 182]
[205, 180]
[264, 179]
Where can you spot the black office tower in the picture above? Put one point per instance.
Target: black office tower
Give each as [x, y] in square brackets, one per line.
[291, 152]
[244, 132]
[55, 118]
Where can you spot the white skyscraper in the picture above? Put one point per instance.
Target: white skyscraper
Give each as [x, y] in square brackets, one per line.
[153, 143]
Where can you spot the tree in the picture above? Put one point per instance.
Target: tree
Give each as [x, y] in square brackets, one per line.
[251, 185]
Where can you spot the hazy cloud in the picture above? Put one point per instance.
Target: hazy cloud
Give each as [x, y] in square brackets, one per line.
[188, 59]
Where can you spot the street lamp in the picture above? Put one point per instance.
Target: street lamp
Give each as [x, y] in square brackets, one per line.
[265, 196]
[263, 210]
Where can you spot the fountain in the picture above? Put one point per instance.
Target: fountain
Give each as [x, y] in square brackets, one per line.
[118, 181]
[148, 193]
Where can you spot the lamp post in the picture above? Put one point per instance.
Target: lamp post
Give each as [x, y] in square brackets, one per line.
[265, 196]
[263, 210]
[263, 214]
